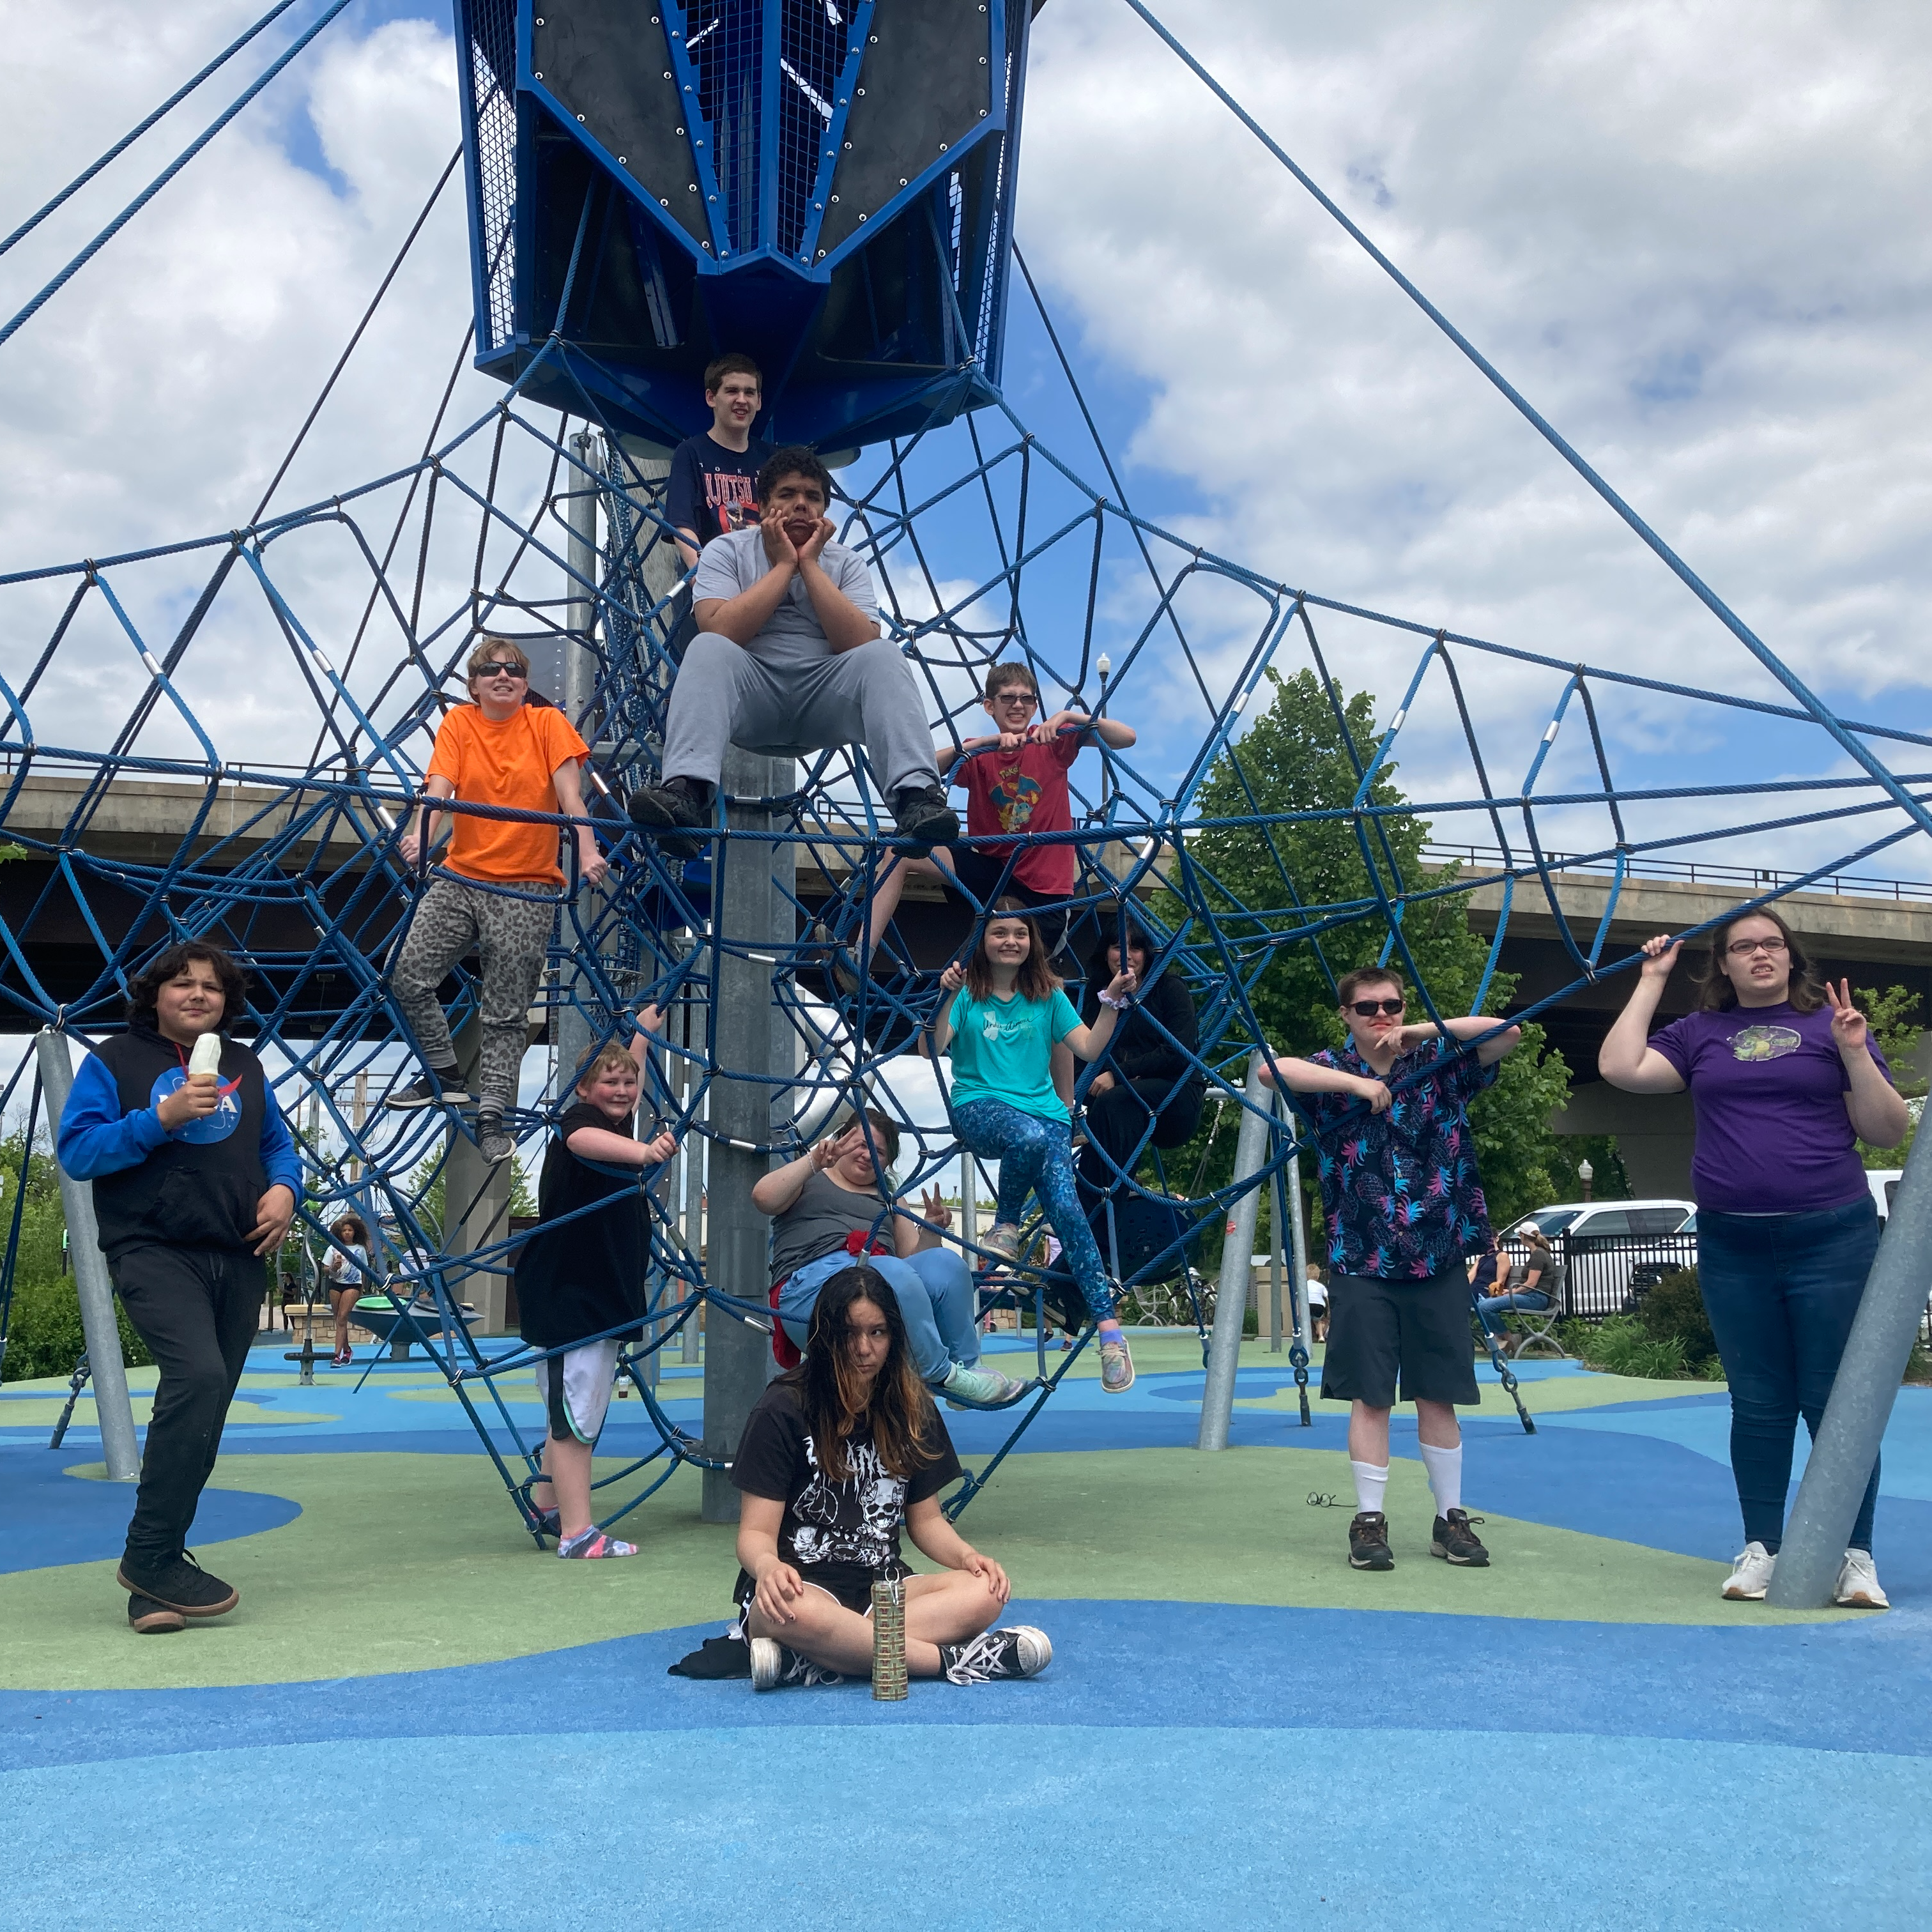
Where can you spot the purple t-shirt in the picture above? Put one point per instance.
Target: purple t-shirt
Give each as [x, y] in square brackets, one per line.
[1773, 1134]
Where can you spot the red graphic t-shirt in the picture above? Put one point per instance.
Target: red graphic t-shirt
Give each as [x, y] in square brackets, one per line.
[1022, 792]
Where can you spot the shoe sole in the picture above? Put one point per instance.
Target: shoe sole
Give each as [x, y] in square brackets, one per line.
[158, 1623]
[185, 1609]
[1370, 1563]
[1860, 1601]
[1731, 1596]
[1460, 1562]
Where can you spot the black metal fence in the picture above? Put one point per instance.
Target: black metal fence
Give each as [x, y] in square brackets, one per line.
[1606, 1274]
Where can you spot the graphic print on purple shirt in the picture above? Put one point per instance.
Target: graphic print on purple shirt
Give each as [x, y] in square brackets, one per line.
[1400, 1189]
[1773, 1134]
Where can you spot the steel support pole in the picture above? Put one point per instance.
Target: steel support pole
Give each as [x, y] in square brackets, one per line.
[574, 1029]
[1862, 1394]
[1238, 1247]
[113, 1408]
[747, 910]
[1303, 1314]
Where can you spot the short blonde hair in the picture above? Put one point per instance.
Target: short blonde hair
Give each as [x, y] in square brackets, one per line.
[609, 1055]
[489, 650]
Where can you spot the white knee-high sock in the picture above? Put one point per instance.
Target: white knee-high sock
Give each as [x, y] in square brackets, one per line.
[1445, 1476]
[1371, 1485]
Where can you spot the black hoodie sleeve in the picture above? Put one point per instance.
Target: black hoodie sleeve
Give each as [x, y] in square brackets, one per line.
[1140, 1052]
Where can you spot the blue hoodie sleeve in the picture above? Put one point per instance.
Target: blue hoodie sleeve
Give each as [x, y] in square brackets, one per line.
[280, 1160]
[96, 1138]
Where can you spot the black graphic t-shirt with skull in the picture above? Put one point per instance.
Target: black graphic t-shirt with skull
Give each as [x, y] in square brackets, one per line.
[855, 1522]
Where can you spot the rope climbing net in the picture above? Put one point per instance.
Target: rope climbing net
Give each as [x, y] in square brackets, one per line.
[133, 779]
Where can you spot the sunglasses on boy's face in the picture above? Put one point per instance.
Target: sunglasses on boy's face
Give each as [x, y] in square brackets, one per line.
[516, 671]
[1368, 1008]
[1025, 699]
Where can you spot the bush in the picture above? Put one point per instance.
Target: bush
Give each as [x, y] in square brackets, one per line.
[1624, 1346]
[45, 1338]
[1674, 1310]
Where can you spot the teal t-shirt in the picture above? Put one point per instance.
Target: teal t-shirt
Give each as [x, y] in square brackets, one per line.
[1003, 1050]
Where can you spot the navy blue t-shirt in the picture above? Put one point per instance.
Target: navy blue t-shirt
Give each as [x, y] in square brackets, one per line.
[706, 479]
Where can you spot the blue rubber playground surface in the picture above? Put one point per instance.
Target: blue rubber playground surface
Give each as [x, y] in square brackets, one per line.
[413, 1720]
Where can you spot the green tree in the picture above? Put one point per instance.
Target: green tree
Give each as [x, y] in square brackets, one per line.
[1893, 1017]
[1294, 759]
[426, 1186]
[42, 1330]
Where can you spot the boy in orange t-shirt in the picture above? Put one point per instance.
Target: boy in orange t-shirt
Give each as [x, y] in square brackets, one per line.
[497, 887]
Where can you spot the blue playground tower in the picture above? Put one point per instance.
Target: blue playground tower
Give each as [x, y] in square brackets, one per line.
[827, 185]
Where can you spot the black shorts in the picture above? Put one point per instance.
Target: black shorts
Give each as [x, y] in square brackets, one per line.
[1417, 1329]
[849, 1583]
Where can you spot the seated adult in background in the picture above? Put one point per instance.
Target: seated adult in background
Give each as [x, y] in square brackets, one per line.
[1536, 1288]
[712, 485]
[829, 1205]
[838, 1454]
[788, 659]
[1148, 1073]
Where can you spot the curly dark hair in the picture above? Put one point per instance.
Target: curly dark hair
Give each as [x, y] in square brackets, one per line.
[899, 1410]
[144, 989]
[794, 460]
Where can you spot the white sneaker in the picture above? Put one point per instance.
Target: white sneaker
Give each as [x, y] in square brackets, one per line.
[982, 1388]
[1857, 1587]
[1750, 1574]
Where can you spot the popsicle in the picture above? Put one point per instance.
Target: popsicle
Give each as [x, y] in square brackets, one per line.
[206, 1056]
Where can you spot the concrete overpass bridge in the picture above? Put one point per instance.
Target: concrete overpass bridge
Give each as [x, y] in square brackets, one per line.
[1876, 932]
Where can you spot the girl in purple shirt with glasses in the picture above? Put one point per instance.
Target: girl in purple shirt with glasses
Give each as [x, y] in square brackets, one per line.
[1785, 1080]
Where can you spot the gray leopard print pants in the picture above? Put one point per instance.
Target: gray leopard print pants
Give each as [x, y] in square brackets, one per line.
[512, 937]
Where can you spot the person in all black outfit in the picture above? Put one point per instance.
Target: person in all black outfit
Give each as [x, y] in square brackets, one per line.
[1149, 1072]
[196, 1179]
[581, 1276]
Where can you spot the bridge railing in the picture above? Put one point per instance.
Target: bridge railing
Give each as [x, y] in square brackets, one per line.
[1749, 879]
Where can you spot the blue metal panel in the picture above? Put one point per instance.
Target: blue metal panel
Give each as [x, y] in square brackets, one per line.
[825, 183]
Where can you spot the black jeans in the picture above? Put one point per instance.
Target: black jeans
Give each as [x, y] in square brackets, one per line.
[1782, 1291]
[1116, 1119]
[197, 1309]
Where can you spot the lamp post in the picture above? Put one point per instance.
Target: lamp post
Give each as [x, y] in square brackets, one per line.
[1586, 1173]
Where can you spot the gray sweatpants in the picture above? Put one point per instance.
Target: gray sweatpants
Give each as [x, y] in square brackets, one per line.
[786, 705]
[511, 938]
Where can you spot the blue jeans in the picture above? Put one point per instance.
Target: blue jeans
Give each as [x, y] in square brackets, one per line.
[1035, 1157]
[1500, 1304]
[934, 1289]
[1781, 1291]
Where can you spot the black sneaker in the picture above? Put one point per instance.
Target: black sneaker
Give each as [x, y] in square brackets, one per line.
[1019, 1651]
[148, 1618]
[492, 1142]
[182, 1584]
[1453, 1539]
[433, 1090]
[924, 818]
[1368, 1542]
[671, 810]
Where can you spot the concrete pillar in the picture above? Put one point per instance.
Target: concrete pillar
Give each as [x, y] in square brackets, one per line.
[112, 1405]
[747, 910]
[475, 1207]
[1656, 1134]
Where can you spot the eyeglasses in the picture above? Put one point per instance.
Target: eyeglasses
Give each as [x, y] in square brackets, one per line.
[1743, 949]
[1025, 697]
[516, 671]
[1368, 1008]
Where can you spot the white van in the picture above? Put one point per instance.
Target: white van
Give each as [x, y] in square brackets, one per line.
[1611, 1251]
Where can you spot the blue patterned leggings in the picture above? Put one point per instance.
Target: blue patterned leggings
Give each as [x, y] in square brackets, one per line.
[1035, 1157]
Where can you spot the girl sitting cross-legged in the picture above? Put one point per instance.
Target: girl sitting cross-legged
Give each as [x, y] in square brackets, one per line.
[837, 1455]
[1002, 1016]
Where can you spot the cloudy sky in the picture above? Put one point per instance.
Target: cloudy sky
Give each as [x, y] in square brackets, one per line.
[1694, 235]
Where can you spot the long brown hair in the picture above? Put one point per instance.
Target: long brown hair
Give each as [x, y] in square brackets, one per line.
[1715, 992]
[833, 1397]
[1035, 980]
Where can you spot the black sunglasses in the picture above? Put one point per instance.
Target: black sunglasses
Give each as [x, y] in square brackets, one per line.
[1368, 1008]
[516, 671]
